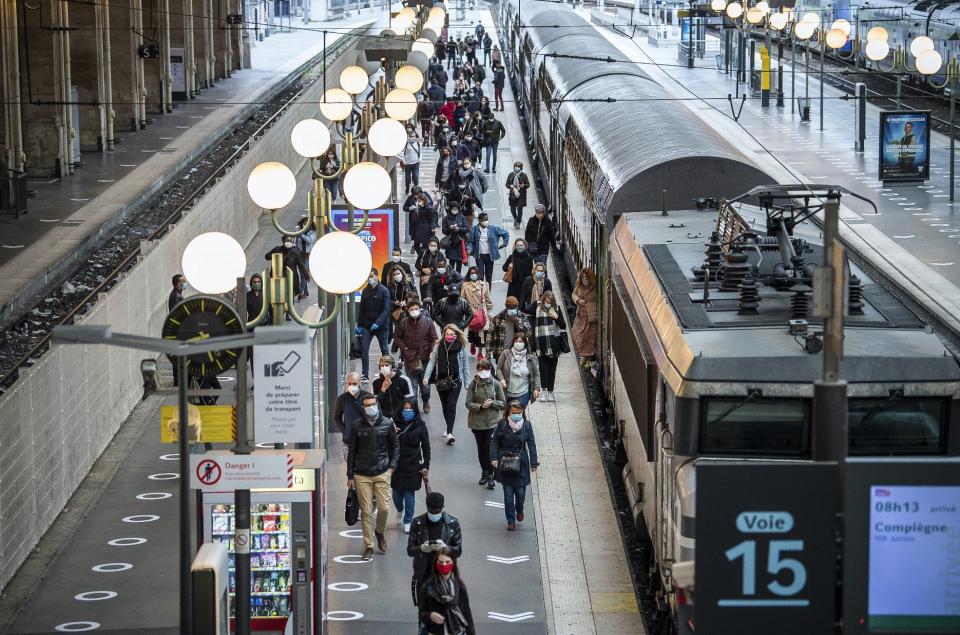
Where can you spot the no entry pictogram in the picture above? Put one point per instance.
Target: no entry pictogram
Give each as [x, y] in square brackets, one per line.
[209, 472]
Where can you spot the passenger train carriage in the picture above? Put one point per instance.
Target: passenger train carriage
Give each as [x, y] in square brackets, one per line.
[697, 374]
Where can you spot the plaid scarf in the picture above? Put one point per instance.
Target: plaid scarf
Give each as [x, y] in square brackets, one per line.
[546, 331]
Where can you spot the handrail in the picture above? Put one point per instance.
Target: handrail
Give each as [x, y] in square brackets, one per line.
[110, 279]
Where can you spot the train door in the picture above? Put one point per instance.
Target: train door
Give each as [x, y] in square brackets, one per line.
[598, 261]
[663, 537]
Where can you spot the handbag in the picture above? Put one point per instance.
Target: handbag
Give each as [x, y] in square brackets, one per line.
[356, 351]
[478, 321]
[444, 384]
[564, 343]
[508, 276]
[509, 464]
[445, 243]
[397, 313]
[414, 366]
[463, 250]
[351, 510]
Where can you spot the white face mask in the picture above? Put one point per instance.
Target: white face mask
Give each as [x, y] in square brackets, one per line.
[483, 374]
[432, 249]
[398, 277]
[288, 245]
[414, 313]
[519, 346]
[547, 305]
[353, 389]
[396, 258]
[441, 270]
[386, 371]
[473, 277]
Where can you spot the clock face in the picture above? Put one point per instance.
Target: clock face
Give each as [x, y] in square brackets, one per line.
[201, 317]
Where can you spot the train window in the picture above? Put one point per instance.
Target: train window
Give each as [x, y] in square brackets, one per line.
[754, 425]
[897, 425]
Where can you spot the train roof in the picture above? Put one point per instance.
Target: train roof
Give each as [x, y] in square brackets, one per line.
[654, 257]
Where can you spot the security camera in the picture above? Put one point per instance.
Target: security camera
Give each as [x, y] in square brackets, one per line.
[148, 368]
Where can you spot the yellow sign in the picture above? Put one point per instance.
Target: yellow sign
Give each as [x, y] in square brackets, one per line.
[208, 424]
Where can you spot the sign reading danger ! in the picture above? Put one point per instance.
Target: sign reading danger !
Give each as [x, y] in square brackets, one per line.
[226, 472]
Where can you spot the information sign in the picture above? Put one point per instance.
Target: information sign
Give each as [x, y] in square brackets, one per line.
[283, 393]
[765, 551]
[904, 146]
[215, 423]
[225, 471]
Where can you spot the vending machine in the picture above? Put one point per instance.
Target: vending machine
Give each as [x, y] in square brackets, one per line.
[287, 554]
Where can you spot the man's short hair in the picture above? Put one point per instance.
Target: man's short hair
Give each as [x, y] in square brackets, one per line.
[434, 502]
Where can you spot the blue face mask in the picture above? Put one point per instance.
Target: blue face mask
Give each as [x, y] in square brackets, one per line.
[517, 417]
[408, 414]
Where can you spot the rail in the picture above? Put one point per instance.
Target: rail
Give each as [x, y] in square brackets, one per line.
[112, 278]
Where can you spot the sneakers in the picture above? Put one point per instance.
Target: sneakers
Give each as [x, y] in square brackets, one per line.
[473, 349]
[510, 527]
[543, 396]
[406, 528]
[483, 479]
[491, 483]
[451, 439]
[519, 517]
[364, 377]
[551, 396]
[381, 542]
[399, 518]
[426, 407]
[367, 554]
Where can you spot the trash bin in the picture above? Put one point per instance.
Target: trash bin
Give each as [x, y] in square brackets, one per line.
[803, 104]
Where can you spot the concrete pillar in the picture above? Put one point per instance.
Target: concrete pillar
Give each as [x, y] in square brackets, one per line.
[178, 49]
[11, 143]
[139, 68]
[220, 39]
[187, 19]
[91, 70]
[155, 15]
[126, 69]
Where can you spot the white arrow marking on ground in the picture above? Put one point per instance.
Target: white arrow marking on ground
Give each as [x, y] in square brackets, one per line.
[515, 560]
[503, 617]
[12, 246]
[910, 236]
[493, 504]
[941, 264]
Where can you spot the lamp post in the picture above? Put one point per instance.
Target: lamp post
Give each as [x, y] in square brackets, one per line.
[928, 63]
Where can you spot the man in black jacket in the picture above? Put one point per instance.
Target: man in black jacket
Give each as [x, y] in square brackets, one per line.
[373, 456]
[440, 280]
[391, 387]
[428, 533]
[348, 409]
[176, 295]
[540, 232]
[372, 319]
[452, 310]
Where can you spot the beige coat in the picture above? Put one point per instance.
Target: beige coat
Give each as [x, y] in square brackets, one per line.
[477, 295]
[589, 295]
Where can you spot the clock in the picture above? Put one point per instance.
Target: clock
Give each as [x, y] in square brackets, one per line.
[201, 317]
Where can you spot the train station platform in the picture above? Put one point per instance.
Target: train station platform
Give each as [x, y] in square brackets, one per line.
[69, 215]
[564, 571]
[914, 238]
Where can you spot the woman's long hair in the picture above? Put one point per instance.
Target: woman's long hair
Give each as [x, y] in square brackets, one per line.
[452, 327]
[446, 551]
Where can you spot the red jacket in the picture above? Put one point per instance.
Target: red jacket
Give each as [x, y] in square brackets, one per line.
[415, 338]
[447, 111]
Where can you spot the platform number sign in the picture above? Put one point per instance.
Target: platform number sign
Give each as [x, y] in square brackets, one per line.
[765, 550]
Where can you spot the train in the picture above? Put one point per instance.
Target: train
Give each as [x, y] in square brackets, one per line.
[708, 347]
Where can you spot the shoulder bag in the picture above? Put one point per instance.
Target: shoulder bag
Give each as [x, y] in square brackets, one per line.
[351, 510]
[479, 319]
[508, 276]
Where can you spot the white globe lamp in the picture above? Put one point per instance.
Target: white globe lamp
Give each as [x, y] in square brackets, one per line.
[387, 137]
[423, 45]
[804, 30]
[409, 77]
[811, 17]
[877, 50]
[778, 21]
[354, 80]
[734, 10]
[429, 33]
[310, 138]
[340, 262]
[271, 185]
[435, 24]
[877, 33]
[408, 12]
[718, 5]
[336, 104]
[836, 38]
[400, 104]
[929, 62]
[764, 7]
[920, 44]
[754, 15]
[418, 60]
[843, 25]
[212, 262]
[437, 13]
[369, 66]
[366, 185]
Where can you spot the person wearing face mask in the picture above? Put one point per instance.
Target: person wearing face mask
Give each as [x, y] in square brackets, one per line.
[517, 185]
[513, 439]
[459, 116]
[255, 299]
[499, 81]
[179, 282]
[438, 93]
[414, 338]
[477, 294]
[519, 265]
[449, 370]
[439, 284]
[584, 332]
[461, 148]
[540, 233]
[504, 326]
[454, 227]
[453, 309]
[372, 460]
[518, 371]
[401, 287]
[411, 159]
[373, 317]
[391, 386]
[328, 165]
[550, 333]
[444, 605]
[414, 465]
[427, 263]
[493, 134]
[448, 109]
[429, 533]
[533, 288]
[484, 243]
[471, 143]
[348, 409]
[396, 262]
[294, 260]
[446, 170]
[485, 401]
[473, 182]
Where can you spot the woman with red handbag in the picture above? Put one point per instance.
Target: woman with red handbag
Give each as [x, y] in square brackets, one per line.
[476, 292]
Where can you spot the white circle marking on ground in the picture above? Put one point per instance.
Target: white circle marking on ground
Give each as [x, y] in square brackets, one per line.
[170, 457]
[344, 616]
[163, 476]
[95, 596]
[347, 586]
[154, 496]
[126, 542]
[352, 533]
[76, 627]
[111, 567]
[351, 559]
[141, 518]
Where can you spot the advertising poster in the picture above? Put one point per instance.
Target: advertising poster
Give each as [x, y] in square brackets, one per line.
[904, 146]
[215, 423]
[283, 393]
[379, 233]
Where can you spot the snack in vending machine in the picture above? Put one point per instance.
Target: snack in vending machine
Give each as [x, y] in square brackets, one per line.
[256, 583]
[221, 524]
[255, 561]
[269, 523]
[268, 559]
[282, 582]
[274, 544]
[282, 542]
[283, 560]
[284, 605]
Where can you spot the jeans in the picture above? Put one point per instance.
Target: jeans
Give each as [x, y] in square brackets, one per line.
[366, 336]
[517, 212]
[491, 151]
[411, 174]
[482, 438]
[419, 389]
[426, 130]
[448, 401]
[457, 265]
[450, 60]
[513, 498]
[485, 267]
[486, 56]
[334, 186]
[367, 486]
[548, 371]
[404, 501]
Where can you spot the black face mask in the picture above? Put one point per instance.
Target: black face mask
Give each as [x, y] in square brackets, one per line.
[453, 297]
